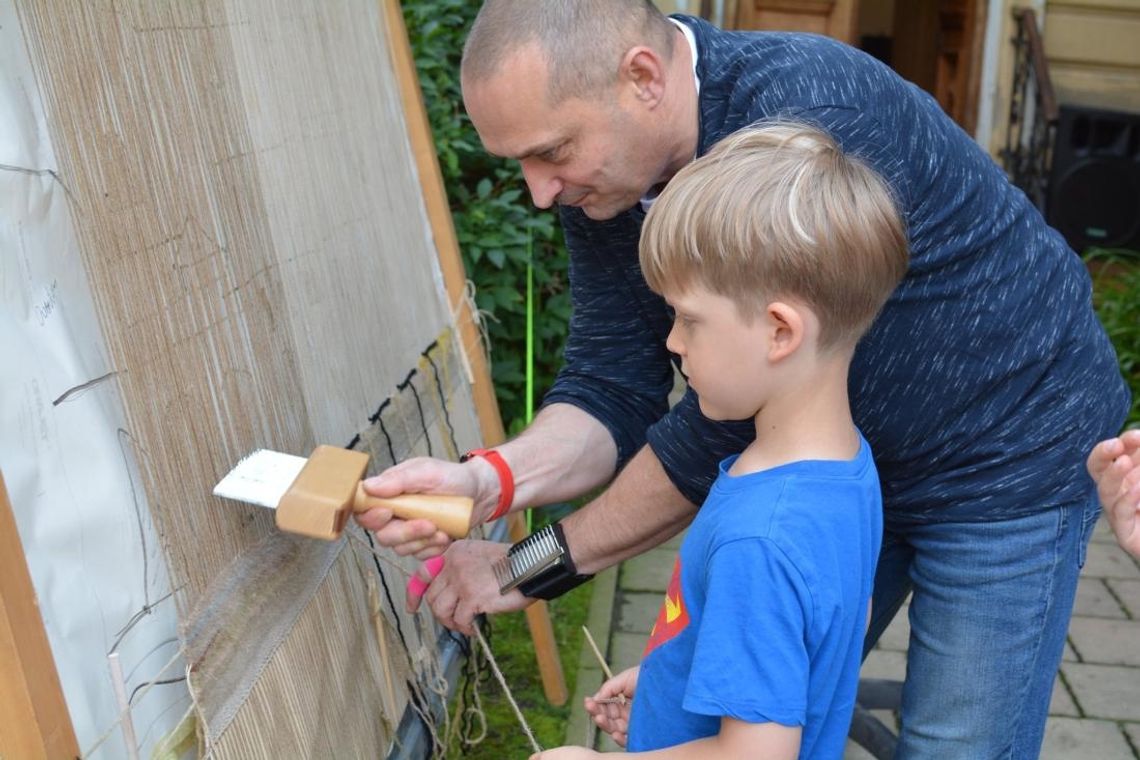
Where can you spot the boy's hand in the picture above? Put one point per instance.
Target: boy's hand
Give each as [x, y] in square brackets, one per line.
[611, 705]
[566, 753]
[1115, 466]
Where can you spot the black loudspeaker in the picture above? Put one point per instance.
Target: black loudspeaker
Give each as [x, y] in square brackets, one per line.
[1094, 184]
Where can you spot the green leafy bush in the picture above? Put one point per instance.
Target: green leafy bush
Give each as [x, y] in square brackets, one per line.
[1116, 296]
[497, 227]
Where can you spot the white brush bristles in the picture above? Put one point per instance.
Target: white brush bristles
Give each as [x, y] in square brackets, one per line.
[261, 478]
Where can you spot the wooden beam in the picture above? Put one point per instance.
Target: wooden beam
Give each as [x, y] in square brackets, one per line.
[439, 217]
[455, 281]
[34, 722]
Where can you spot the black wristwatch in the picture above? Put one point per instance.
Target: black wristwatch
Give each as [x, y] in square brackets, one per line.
[540, 565]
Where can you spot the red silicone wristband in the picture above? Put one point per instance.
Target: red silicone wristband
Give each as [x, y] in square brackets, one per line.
[506, 479]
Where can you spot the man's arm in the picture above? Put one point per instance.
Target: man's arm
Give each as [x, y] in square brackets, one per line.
[563, 454]
[639, 510]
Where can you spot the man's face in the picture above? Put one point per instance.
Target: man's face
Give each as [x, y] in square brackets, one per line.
[595, 154]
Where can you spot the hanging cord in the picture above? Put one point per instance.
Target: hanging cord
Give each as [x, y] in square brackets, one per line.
[486, 650]
[506, 689]
[471, 724]
[473, 677]
[478, 318]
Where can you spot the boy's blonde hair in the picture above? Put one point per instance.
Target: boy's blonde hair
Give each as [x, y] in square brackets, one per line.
[779, 210]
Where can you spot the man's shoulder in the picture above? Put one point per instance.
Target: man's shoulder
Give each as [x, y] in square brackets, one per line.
[720, 44]
[749, 76]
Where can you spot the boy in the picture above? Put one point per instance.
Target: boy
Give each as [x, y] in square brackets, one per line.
[776, 252]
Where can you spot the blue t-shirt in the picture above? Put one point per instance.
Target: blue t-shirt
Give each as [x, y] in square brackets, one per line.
[986, 378]
[766, 612]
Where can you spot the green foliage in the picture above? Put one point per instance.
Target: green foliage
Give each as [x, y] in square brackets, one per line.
[1116, 296]
[497, 227]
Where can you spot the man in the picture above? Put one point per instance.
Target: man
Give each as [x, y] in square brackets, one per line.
[981, 387]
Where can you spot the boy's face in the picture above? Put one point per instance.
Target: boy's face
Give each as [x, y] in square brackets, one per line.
[723, 355]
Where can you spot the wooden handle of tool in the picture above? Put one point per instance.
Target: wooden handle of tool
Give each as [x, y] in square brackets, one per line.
[451, 514]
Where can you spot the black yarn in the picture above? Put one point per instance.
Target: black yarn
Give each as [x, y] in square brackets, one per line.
[442, 397]
[473, 676]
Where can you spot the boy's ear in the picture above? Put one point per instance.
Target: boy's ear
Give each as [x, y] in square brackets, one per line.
[786, 330]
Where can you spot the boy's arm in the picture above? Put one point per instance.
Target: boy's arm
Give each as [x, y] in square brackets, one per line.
[737, 739]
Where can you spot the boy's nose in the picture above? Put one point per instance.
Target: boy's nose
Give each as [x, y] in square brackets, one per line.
[673, 342]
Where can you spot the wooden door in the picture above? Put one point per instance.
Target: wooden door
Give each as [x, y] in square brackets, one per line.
[834, 18]
[937, 45]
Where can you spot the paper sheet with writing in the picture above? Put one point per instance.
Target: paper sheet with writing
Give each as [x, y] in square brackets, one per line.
[67, 462]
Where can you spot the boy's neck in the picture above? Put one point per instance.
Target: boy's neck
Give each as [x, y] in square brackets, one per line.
[812, 420]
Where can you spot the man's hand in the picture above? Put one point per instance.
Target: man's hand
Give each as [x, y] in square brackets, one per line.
[610, 707]
[421, 538]
[466, 586]
[1115, 466]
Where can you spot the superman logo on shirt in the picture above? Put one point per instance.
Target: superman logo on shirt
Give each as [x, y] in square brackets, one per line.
[673, 616]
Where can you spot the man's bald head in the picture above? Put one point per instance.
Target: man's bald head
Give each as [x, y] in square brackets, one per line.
[583, 41]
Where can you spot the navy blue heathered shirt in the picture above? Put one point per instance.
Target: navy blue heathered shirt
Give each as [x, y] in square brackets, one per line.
[986, 379]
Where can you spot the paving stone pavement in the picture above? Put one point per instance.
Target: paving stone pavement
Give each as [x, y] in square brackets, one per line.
[1095, 712]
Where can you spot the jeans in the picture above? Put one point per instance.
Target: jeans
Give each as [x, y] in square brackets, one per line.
[988, 619]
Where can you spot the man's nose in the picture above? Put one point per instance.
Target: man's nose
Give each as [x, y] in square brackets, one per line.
[543, 185]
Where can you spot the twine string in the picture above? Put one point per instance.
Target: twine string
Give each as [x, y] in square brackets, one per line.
[498, 673]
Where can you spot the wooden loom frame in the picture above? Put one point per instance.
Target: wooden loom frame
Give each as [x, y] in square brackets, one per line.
[34, 719]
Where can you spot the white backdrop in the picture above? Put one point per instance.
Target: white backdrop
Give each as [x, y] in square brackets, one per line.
[80, 508]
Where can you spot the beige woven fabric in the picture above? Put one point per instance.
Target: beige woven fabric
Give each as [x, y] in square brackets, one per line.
[253, 232]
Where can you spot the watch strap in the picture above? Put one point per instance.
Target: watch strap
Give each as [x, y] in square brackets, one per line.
[560, 575]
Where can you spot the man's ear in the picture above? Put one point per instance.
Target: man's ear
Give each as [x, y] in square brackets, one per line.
[643, 71]
[786, 329]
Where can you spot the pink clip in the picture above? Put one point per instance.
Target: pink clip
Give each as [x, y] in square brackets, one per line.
[417, 586]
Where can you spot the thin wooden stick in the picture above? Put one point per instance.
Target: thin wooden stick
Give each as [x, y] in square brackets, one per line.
[382, 640]
[597, 653]
[620, 698]
[124, 704]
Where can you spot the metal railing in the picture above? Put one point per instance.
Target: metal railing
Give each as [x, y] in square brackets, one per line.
[1033, 113]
